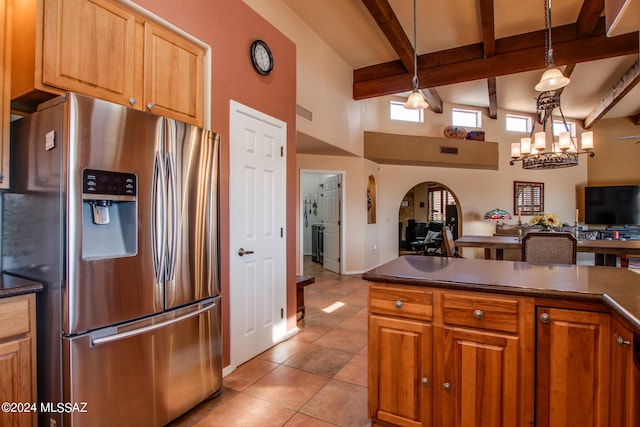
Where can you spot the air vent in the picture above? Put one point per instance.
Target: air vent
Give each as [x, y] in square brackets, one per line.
[449, 150]
[304, 113]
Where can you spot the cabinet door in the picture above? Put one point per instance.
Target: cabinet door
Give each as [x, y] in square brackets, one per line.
[624, 408]
[173, 75]
[572, 364]
[400, 371]
[15, 381]
[90, 49]
[5, 90]
[480, 382]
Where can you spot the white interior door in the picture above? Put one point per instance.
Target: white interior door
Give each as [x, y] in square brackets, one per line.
[257, 219]
[331, 241]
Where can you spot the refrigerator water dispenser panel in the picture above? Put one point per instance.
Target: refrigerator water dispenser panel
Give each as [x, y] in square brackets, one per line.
[109, 214]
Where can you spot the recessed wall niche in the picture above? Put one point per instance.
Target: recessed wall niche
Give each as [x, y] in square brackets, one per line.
[371, 200]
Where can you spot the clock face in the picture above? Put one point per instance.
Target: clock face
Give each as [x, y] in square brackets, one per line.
[261, 57]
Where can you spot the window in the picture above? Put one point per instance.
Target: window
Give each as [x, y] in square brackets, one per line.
[466, 118]
[528, 197]
[439, 199]
[518, 123]
[558, 127]
[398, 112]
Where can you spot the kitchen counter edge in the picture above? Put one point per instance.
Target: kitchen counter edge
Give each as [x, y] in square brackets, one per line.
[570, 282]
[11, 286]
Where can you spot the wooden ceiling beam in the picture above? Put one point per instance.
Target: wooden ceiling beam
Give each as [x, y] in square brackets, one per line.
[387, 20]
[628, 81]
[493, 97]
[468, 63]
[589, 16]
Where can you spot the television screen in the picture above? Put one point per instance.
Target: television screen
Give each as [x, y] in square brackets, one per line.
[614, 205]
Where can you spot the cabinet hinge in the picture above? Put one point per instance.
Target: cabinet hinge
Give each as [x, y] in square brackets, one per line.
[281, 151]
[281, 232]
[282, 313]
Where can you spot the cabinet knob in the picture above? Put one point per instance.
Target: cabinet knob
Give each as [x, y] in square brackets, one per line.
[150, 106]
[622, 342]
[478, 314]
[545, 318]
[132, 101]
[425, 381]
[446, 387]
[399, 304]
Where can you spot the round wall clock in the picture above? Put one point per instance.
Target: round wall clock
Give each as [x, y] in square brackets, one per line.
[262, 57]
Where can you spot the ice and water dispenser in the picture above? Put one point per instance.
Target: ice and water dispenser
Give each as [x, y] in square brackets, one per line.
[109, 214]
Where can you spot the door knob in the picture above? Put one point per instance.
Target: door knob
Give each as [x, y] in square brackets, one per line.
[242, 252]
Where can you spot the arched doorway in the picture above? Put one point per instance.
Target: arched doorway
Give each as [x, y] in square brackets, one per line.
[425, 205]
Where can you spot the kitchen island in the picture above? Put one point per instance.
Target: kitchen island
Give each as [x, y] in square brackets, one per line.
[502, 343]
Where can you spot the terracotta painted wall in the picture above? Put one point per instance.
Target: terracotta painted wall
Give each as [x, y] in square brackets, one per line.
[229, 27]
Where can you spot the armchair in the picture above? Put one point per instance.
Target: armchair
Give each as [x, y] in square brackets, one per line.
[432, 242]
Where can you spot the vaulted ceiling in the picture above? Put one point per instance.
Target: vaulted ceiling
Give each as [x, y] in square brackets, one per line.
[484, 53]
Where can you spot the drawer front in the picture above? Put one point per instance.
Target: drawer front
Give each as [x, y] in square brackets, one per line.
[496, 314]
[409, 303]
[14, 317]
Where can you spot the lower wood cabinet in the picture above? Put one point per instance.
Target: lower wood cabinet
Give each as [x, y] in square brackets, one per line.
[460, 361]
[572, 363]
[400, 354]
[480, 383]
[440, 357]
[624, 380]
[17, 361]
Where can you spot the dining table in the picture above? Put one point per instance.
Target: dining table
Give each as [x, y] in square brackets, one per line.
[606, 251]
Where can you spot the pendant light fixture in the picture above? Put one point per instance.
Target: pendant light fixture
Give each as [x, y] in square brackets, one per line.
[416, 100]
[552, 78]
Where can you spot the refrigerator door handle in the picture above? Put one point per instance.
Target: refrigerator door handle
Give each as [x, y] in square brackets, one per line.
[172, 221]
[158, 218]
[120, 336]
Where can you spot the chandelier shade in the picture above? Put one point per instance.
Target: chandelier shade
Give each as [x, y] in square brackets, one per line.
[552, 79]
[416, 101]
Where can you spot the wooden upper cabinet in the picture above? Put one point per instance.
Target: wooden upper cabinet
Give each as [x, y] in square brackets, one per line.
[90, 47]
[173, 75]
[103, 49]
[5, 90]
[572, 368]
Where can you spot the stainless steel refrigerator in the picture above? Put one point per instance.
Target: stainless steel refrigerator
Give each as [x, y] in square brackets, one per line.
[116, 211]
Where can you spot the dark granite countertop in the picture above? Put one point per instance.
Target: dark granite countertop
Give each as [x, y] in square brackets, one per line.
[617, 288]
[11, 286]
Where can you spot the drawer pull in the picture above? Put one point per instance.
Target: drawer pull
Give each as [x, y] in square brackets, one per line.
[425, 381]
[446, 387]
[478, 314]
[545, 318]
[622, 342]
[398, 304]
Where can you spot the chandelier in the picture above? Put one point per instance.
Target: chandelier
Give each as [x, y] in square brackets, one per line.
[533, 151]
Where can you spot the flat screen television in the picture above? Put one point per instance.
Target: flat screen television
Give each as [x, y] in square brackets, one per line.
[612, 205]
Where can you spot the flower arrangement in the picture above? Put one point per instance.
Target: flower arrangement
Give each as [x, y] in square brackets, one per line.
[546, 220]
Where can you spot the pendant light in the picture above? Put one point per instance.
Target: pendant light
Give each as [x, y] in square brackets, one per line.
[416, 100]
[552, 78]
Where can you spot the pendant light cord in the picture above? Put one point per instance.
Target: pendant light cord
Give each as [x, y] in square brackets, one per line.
[415, 50]
[547, 39]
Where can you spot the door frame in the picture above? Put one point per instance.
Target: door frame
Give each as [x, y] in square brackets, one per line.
[343, 221]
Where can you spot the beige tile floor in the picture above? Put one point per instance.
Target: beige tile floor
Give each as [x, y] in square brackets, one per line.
[316, 378]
